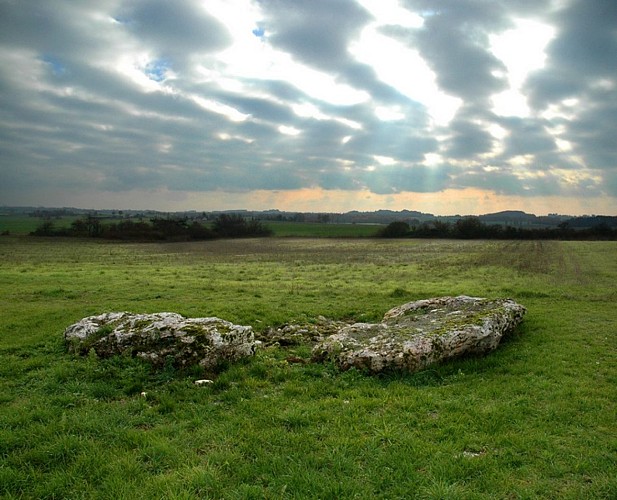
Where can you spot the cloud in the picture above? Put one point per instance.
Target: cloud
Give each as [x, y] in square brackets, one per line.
[413, 178]
[576, 88]
[347, 96]
[526, 137]
[174, 30]
[317, 32]
[454, 42]
[468, 140]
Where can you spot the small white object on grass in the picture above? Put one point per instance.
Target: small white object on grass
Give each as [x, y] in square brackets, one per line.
[204, 381]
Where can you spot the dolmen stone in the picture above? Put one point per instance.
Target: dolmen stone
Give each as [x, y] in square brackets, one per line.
[161, 338]
[418, 334]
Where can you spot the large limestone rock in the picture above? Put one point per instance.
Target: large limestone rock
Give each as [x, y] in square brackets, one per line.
[162, 337]
[418, 334]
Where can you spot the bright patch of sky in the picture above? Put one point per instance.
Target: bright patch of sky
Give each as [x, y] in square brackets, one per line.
[389, 113]
[157, 70]
[521, 50]
[57, 67]
[143, 71]
[390, 12]
[432, 159]
[224, 136]
[384, 160]
[403, 68]
[308, 110]
[289, 130]
[222, 109]
[251, 56]
[259, 32]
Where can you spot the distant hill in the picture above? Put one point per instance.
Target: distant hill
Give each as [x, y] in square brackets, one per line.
[518, 218]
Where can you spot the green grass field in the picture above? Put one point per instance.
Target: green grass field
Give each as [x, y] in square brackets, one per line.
[534, 419]
[322, 229]
[22, 225]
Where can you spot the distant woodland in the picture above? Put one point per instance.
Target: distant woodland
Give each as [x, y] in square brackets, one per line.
[157, 229]
[187, 226]
[237, 226]
[474, 228]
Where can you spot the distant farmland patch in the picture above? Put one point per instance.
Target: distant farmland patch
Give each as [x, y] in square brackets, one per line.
[323, 229]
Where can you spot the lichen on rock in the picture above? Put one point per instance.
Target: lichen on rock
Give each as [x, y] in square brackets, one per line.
[421, 333]
[409, 338]
[291, 334]
[161, 337]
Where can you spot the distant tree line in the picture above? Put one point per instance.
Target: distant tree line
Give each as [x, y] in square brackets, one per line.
[157, 229]
[474, 228]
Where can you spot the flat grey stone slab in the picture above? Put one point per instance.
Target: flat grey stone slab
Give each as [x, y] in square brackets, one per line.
[418, 334]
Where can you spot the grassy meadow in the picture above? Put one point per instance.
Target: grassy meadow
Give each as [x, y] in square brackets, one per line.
[323, 229]
[23, 224]
[534, 419]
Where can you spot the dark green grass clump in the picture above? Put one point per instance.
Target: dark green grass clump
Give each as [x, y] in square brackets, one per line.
[535, 419]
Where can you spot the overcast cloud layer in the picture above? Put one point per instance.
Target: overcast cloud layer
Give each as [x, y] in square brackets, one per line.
[440, 105]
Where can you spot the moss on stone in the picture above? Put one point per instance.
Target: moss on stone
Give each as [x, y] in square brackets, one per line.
[419, 333]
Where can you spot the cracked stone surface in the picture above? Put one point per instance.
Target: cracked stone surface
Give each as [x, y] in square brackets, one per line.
[161, 338]
[418, 334]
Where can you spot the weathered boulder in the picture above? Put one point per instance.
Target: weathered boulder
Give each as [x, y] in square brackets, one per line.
[418, 334]
[162, 337]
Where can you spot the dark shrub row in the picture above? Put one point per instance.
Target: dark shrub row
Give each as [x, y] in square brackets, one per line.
[158, 229]
[474, 228]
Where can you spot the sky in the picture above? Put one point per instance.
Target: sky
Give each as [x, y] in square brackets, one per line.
[442, 106]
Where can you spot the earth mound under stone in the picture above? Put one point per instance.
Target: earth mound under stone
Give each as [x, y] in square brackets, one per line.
[160, 337]
[419, 334]
[291, 334]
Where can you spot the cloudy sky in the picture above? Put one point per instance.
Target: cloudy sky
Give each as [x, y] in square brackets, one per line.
[444, 106]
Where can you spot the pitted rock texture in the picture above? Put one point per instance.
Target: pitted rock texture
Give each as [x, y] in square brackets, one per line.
[162, 337]
[421, 333]
[291, 334]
